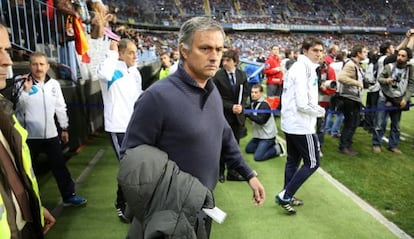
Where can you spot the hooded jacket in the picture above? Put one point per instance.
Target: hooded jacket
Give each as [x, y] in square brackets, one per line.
[162, 198]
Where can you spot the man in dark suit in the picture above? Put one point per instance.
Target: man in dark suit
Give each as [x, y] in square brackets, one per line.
[232, 85]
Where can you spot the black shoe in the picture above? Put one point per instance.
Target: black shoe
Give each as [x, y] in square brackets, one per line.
[285, 204]
[296, 202]
[234, 176]
[222, 179]
[348, 151]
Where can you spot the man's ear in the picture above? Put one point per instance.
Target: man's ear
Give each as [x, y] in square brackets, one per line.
[183, 51]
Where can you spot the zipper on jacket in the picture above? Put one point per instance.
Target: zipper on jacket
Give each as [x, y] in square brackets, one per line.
[44, 108]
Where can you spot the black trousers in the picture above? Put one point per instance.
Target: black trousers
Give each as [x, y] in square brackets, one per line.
[351, 111]
[116, 142]
[53, 149]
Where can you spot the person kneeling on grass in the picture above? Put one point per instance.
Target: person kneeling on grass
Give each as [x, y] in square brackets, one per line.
[263, 143]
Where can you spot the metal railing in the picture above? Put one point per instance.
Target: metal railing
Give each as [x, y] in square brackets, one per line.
[36, 26]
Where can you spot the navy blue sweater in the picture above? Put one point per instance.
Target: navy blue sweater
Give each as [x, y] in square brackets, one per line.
[187, 122]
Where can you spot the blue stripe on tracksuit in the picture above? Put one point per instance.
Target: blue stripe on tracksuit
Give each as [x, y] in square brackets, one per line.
[300, 147]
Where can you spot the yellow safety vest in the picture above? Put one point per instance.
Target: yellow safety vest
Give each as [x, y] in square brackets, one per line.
[4, 226]
[27, 165]
[164, 73]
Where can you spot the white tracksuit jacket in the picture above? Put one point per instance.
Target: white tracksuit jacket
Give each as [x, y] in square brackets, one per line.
[36, 109]
[300, 98]
[121, 86]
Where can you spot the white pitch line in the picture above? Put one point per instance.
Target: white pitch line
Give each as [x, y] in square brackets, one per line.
[360, 202]
[80, 180]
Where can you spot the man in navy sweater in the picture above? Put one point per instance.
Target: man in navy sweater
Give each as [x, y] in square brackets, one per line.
[182, 115]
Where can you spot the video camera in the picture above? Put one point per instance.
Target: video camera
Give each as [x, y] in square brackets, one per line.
[395, 80]
[13, 87]
[322, 73]
[329, 84]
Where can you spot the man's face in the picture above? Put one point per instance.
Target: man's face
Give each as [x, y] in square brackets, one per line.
[275, 51]
[314, 53]
[256, 94]
[39, 67]
[229, 64]
[335, 51]
[165, 60]
[363, 55]
[5, 60]
[129, 55]
[202, 60]
[390, 50]
[291, 55]
[402, 57]
[176, 55]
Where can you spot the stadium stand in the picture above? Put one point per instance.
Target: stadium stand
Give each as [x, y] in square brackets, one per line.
[153, 25]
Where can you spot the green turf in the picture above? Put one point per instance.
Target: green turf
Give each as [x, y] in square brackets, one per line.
[384, 180]
[327, 213]
[98, 219]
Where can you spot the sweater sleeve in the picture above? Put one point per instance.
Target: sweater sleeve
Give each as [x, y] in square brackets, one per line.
[232, 155]
[141, 128]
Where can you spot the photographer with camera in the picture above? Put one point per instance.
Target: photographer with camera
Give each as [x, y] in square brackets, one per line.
[351, 78]
[397, 86]
[327, 88]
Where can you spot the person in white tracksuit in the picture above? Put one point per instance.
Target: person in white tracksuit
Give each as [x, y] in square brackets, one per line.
[298, 120]
[40, 99]
[121, 85]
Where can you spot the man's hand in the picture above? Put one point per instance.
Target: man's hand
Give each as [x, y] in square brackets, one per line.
[49, 220]
[28, 82]
[113, 45]
[237, 109]
[389, 81]
[259, 194]
[65, 136]
[403, 104]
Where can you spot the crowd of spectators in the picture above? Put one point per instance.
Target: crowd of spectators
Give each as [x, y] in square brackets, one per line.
[323, 12]
[247, 43]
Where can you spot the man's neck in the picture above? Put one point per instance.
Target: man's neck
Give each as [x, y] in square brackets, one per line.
[41, 79]
[231, 70]
[356, 60]
[400, 65]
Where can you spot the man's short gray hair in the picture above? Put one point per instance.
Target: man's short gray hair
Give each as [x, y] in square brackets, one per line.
[123, 44]
[194, 24]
